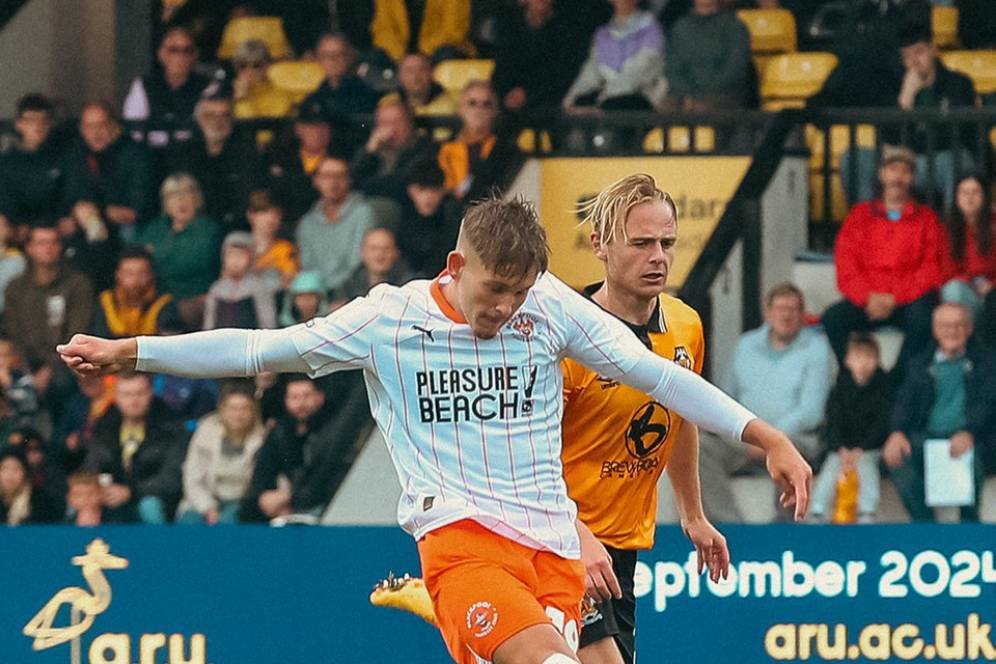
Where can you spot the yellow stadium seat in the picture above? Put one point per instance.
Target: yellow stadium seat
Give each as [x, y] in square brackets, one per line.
[771, 30]
[944, 25]
[297, 77]
[454, 74]
[679, 139]
[839, 137]
[527, 142]
[838, 202]
[980, 66]
[789, 79]
[267, 29]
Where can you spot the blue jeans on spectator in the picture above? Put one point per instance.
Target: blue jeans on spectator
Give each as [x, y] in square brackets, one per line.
[914, 319]
[825, 486]
[867, 167]
[228, 512]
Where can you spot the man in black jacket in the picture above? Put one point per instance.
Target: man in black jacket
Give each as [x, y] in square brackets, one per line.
[221, 156]
[31, 174]
[948, 392]
[309, 450]
[139, 447]
[537, 55]
[160, 105]
[381, 166]
[106, 168]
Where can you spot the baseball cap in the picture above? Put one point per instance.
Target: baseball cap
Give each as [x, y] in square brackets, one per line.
[891, 153]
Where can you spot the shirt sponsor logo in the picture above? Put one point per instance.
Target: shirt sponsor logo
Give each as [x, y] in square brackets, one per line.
[478, 394]
[645, 436]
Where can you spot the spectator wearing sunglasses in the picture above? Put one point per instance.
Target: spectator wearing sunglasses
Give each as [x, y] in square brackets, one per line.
[160, 105]
[476, 160]
[255, 95]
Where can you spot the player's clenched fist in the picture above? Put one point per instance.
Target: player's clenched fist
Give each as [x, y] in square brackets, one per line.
[87, 355]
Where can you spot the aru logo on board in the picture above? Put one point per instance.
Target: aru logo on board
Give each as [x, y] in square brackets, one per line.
[84, 607]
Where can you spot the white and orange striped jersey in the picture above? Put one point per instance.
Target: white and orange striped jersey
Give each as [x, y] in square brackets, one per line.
[473, 425]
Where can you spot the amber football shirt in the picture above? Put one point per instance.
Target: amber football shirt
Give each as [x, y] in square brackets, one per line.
[617, 440]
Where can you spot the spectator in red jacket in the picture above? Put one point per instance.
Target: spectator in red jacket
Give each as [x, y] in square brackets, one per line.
[971, 265]
[890, 259]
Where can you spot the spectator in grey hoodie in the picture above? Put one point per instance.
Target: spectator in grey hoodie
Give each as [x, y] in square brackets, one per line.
[241, 297]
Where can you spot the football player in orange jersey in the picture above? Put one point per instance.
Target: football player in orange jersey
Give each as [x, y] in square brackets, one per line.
[617, 440]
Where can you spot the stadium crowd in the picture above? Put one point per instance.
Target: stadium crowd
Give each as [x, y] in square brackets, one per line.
[175, 214]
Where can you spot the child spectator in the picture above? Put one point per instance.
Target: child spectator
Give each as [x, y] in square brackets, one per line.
[275, 256]
[19, 502]
[857, 425]
[306, 298]
[241, 297]
[18, 401]
[85, 500]
[221, 458]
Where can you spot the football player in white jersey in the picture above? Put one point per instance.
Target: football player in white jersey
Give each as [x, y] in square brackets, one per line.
[464, 382]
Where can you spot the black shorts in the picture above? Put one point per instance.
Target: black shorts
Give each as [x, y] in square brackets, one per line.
[616, 617]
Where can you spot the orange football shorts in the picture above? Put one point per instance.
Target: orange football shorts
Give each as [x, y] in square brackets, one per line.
[485, 589]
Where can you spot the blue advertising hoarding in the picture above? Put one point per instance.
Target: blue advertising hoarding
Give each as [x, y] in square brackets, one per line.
[246, 595]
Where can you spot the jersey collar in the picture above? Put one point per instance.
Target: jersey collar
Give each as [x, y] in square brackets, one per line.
[656, 324]
[436, 291]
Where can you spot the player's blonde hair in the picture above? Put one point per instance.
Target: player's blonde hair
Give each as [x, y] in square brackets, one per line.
[607, 212]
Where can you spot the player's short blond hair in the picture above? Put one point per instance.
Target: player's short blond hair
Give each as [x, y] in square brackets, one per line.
[607, 212]
[506, 235]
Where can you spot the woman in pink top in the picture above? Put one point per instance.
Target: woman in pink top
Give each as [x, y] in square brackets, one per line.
[971, 257]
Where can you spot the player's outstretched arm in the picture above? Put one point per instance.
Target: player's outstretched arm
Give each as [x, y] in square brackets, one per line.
[214, 354]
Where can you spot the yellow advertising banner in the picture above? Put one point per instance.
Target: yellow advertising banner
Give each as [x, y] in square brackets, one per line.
[700, 186]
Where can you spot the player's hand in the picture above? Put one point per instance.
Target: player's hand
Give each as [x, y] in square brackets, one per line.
[786, 466]
[896, 449]
[793, 476]
[711, 546]
[600, 582]
[93, 356]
